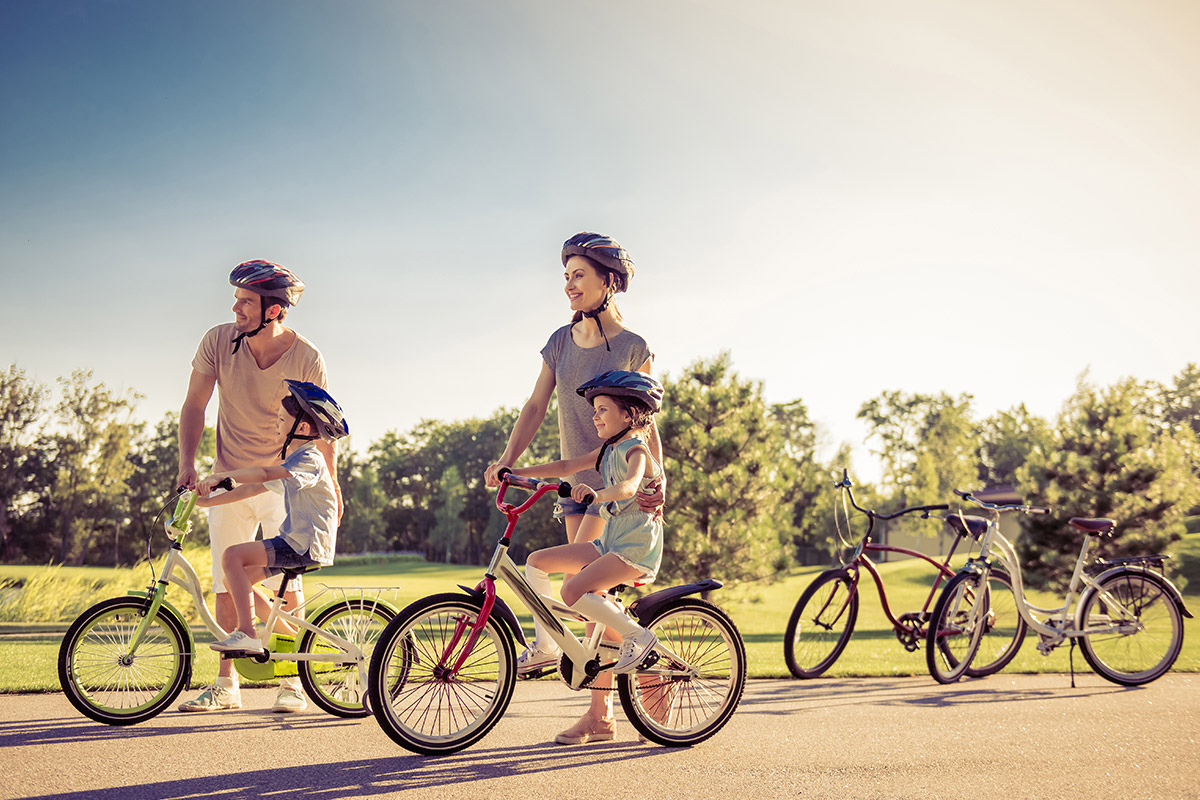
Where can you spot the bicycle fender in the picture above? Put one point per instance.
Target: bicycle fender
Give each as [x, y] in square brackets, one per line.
[646, 607]
[506, 614]
[167, 605]
[1173, 590]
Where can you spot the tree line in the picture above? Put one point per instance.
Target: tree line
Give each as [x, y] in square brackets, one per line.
[82, 479]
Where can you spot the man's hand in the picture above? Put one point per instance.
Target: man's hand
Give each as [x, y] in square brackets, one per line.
[653, 503]
[187, 476]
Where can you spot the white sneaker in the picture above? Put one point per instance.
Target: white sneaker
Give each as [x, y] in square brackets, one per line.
[214, 698]
[531, 660]
[289, 700]
[238, 642]
[633, 649]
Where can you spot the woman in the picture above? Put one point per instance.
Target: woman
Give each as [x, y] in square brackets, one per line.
[595, 341]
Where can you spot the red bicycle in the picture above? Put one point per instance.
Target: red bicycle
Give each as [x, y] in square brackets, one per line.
[823, 619]
[443, 670]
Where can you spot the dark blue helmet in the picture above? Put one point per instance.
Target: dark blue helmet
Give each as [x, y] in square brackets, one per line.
[625, 383]
[321, 407]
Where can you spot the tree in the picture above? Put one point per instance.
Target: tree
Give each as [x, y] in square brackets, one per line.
[1109, 457]
[804, 481]
[1008, 438]
[22, 410]
[723, 455]
[90, 457]
[362, 528]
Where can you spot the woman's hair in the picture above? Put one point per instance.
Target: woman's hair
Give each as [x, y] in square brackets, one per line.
[610, 280]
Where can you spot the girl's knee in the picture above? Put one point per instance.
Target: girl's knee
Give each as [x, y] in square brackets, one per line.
[572, 590]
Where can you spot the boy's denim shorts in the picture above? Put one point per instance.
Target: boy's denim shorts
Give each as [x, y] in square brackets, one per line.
[281, 556]
[566, 507]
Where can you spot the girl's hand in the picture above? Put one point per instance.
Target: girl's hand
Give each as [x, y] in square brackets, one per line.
[491, 475]
[204, 488]
[581, 492]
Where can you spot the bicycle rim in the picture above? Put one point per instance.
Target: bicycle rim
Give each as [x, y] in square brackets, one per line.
[334, 687]
[1136, 651]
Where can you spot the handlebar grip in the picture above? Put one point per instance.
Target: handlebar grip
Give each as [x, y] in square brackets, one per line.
[564, 490]
[226, 484]
[963, 495]
[1038, 510]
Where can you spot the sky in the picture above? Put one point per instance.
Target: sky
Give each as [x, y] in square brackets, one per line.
[849, 198]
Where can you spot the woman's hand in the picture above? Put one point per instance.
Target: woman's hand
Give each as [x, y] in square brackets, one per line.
[491, 475]
[653, 503]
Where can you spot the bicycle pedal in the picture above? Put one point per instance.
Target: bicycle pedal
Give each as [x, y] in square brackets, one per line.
[650, 660]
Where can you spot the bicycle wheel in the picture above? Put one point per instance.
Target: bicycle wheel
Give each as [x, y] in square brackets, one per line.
[1138, 650]
[110, 684]
[697, 682]
[1003, 631]
[959, 618]
[418, 697]
[821, 624]
[334, 686]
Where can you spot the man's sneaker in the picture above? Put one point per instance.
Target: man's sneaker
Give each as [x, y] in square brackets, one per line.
[531, 660]
[633, 650]
[588, 729]
[238, 642]
[214, 698]
[289, 700]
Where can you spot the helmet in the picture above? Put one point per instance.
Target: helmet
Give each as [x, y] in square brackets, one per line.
[321, 407]
[268, 280]
[625, 383]
[605, 251]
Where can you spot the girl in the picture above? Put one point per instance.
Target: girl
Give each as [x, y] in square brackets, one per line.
[630, 546]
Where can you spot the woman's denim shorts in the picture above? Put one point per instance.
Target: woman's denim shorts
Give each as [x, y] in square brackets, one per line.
[566, 507]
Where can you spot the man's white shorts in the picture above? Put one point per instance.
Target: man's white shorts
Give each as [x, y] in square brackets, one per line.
[238, 522]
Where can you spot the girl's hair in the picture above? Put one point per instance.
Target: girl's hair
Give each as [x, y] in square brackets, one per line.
[639, 413]
[292, 407]
[610, 280]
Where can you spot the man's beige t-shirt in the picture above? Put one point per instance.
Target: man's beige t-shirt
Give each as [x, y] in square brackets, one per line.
[250, 398]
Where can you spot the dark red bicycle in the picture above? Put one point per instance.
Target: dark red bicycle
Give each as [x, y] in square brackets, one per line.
[823, 619]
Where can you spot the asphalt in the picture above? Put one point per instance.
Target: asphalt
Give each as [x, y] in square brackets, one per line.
[1008, 736]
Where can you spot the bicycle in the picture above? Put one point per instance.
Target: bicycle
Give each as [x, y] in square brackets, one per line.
[126, 659]
[1128, 620]
[823, 619]
[444, 669]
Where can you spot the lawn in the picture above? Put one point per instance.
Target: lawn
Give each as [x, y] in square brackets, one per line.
[28, 651]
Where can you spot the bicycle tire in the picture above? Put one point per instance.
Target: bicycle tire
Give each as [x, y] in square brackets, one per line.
[956, 626]
[821, 624]
[1141, 656]
[335, 687]
[696, 636]
[107, 683]
[422, 705]
[1004, 631]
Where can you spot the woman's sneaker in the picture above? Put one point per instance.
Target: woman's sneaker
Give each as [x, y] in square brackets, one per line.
[531, 660]
[633, 649]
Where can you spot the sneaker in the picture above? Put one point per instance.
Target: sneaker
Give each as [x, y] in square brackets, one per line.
[531, 659]
[633, 649]
[238, 642]
[588, 729]
[214, 698]
[289, 700]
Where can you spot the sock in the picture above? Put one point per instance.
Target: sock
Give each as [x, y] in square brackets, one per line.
[290, 683]
[539, 581]
[600, 609]
[230, 683]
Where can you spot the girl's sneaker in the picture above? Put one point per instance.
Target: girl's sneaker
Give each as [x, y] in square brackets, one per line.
[633, 649]
[531, 659]
[238, 642]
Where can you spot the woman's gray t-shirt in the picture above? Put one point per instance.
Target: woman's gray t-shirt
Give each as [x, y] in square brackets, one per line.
[574, 366]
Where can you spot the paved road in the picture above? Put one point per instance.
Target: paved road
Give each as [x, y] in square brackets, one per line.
[1008, 736]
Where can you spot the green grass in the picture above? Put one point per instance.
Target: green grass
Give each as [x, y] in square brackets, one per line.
[29, 650]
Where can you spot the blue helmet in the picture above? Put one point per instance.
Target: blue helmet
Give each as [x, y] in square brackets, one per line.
[625, 383]
[320, 406]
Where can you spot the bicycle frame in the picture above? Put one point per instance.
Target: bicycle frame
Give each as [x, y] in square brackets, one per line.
[582, 655]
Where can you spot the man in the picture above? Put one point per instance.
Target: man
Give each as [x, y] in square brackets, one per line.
[248, 360]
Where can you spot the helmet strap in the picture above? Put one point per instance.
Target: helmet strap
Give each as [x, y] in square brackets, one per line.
[608, 443]
[237, 340]
[595, 315]
[293, 436]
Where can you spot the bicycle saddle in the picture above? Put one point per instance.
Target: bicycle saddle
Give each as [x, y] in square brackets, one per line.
[1093, 527]
[965, 525]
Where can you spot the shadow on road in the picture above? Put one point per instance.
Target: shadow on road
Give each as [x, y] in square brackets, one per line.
[378, 776]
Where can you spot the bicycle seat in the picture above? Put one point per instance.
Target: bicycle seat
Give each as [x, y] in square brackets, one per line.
[965, 525]
[292, 572]
[1093, 527]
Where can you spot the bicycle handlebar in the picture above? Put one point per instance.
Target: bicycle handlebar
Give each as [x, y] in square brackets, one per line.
[994, 507]
[846, 483]
[533, 484]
